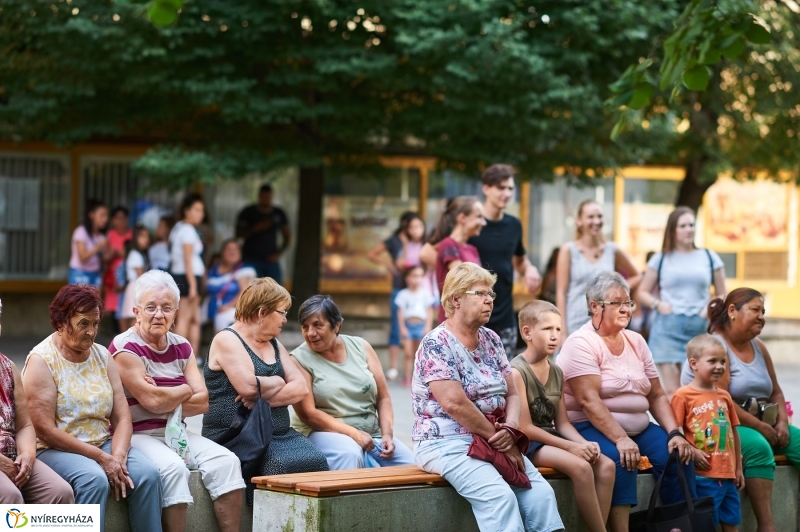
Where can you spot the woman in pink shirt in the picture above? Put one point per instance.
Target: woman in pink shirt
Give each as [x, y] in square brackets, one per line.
[610, 384]
[464, 218]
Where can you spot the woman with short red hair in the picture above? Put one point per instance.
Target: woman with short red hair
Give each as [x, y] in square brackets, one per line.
[75, 397]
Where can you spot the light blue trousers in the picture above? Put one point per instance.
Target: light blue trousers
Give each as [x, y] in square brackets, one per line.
[496, 505]
[343, 452]
[90, 484]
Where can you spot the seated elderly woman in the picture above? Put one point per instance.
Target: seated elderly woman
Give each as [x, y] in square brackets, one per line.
[610, 384]
[249, 350]
[348, 414]
[738, 322]
[159, 373]
[75, 397]
[461, 374]
[21, 470]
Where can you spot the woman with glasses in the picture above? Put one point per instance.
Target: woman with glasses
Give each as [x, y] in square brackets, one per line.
[610, 385]
[677, 285]
[348, 415]
[461, 374]
[249, 351]
[159, 373]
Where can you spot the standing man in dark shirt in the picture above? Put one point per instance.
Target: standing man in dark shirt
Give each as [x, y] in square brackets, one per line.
[501, 250]
[259, 225]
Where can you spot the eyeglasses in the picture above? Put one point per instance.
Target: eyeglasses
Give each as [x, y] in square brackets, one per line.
[617, 304]
[284, 313]
[482, 293]
[152, 310]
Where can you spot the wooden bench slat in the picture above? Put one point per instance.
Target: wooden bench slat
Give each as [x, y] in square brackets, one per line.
[290, 480]
[335, 486]
[781, 460]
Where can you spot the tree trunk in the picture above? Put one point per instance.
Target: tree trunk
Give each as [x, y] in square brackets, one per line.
[693, 188]
[305, 279]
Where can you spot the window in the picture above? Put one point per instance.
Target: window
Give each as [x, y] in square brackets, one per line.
[34, 216]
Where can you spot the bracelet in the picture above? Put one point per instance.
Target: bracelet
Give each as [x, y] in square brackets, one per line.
[675, 433]
[655, 304]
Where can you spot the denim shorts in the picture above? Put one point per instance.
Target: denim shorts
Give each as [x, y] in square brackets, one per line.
[727, 508]
[416, 329]
[669, 335]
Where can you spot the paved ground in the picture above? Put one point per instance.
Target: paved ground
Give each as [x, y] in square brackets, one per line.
[17, 348]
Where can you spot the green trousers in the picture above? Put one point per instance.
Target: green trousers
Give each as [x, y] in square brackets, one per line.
[758, 456]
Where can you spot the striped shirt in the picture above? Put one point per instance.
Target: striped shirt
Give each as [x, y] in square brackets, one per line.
[166, 367]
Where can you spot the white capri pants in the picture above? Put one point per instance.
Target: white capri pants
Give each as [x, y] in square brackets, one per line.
[219, 467]
[496, 504]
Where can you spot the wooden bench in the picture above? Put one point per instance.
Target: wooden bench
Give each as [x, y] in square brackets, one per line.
[406, 498]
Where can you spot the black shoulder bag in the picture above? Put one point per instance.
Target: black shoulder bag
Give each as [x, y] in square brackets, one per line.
[689, 516]
[250, 434]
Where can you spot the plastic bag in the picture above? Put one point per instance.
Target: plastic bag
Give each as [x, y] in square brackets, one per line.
[177, 439]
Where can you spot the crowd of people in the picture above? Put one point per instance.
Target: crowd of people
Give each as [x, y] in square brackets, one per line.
[587, 395]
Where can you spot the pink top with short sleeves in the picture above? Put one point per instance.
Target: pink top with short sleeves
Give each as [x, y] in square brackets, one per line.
[624, 378]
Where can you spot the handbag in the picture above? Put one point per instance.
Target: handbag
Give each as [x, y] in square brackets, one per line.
[250, 434]
[691, 515]
[761, 408]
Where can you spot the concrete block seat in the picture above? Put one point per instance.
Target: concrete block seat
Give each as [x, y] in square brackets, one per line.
[199, 517]
[405, 498]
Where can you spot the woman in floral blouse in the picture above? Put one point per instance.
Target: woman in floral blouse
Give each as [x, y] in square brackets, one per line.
[461, 374]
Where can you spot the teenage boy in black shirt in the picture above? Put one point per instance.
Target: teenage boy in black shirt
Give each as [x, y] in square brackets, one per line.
[501, 250]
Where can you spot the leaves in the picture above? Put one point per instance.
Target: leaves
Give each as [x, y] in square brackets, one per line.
[697, 77]
[758, 34]
[164, 13]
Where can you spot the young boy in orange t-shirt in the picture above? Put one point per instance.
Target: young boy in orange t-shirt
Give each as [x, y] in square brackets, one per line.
[708, 417]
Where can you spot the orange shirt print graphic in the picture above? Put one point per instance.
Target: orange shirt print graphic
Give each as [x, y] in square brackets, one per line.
[16, 518]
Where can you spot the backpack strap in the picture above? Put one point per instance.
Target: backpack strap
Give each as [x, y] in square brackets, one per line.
[658, 272]
[711, 267]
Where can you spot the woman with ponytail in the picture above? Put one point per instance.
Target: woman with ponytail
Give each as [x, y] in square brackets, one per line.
[582, 260]
[462, 220]
[751, 379]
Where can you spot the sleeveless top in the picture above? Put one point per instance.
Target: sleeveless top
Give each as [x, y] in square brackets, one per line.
[8, 426]
[84, 395]
[345, 391]
[166, 367]
[541, 414]
[581, 273]
[748, 379]
[221, 393]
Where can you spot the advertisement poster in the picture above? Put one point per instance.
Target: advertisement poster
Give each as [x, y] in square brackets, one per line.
[641, 229]
[353, 225]
[746, 214]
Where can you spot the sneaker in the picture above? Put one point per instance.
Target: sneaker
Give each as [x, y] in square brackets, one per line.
[391, 374]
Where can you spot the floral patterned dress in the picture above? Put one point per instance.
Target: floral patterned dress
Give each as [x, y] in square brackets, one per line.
[482, 373]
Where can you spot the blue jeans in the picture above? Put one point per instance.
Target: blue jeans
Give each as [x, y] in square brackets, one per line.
[652, 443]
[342, 452]
[77, 276]
[90, 484]
[394, 325]
[496, 504]
[727, 507]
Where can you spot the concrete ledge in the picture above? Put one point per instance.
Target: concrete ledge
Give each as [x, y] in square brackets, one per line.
[199, 517]
[442, 509]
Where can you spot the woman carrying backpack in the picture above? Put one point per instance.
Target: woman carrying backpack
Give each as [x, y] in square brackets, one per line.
[677, 285]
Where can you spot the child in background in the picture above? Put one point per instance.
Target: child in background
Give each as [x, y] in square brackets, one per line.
[543, 416]
[414, 314]
[708, 419]
[159, 252]
[136, 264]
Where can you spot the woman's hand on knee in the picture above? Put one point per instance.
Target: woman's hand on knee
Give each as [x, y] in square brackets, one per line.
[768, 432]
[516, 458]
[782, 434]
[629, 455]
[117, 474]
[363, 440]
